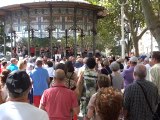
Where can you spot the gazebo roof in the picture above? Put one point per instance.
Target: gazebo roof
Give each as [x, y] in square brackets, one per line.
[45, 3]
[79, 1]
[12, 2]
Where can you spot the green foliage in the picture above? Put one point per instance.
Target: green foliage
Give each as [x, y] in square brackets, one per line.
[108, 28]
[94, 2]
[156, 7]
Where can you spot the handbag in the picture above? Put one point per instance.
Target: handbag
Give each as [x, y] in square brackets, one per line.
[155, 114]
[71, 83]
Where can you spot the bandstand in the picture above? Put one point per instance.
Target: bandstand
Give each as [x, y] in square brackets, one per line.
[47, 18]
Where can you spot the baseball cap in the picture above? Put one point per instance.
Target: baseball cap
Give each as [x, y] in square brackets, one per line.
[133, 59]
[18, 82]
[142, 57]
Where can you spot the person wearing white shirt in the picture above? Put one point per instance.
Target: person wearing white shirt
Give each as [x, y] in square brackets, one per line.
[82, 69]
[148, 67]
[17, 107]
[50, 70]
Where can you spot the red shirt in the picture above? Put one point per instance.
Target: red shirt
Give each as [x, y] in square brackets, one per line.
[58, 102]
[32, 49]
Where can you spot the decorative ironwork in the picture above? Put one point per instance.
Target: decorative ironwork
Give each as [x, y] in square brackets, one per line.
[68, 16]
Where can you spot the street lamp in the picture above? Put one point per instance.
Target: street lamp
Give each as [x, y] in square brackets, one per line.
[82, 42]
[75, 29]
[66, 36]
[11, 31]
[30, 29]
[50, 29]
[27, 28]
[122, 3]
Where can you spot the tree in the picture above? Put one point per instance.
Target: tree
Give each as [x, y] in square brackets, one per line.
[135, 19]
[152, 20]
[109, 27]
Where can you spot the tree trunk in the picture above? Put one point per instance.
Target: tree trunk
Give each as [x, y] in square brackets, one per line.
[151, 20]
[128, 47]
[135, 40]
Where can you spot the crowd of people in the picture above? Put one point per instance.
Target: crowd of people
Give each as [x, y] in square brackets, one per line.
[97, 88]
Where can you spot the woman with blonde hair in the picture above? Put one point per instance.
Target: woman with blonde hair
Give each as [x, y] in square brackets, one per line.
[22, 64]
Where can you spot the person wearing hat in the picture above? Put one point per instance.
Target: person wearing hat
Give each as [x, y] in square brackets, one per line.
[40, 78]
[128, 73]
[58, 101]
[17, 107]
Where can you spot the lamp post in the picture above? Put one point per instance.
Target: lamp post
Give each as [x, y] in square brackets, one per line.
[82, 42]
[122, 4]
[11, 31]
[66, 46]
[66, 36]
[14, 34]
[50, 29]
[30, 30]
[27, 28]
[75, 29]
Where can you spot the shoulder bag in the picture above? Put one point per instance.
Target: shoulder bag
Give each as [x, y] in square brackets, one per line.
[155, 114]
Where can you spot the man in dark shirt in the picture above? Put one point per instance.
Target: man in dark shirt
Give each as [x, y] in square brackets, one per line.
[135, 105]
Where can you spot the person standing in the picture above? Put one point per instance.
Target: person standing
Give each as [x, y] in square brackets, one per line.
[17, 107]
[90, 83]
[116, 78]
[102, 82]
[59, 101]
[50, 70]
[155, 69]
[148, 67]
[22, 64]
[24, 51]
[128, 73]
[155, 72]
[82, 69]
[137, 94]
[40, 80]
[111, 106]
[4, 66]
[3, 90]
[13, 66]
[105, 67]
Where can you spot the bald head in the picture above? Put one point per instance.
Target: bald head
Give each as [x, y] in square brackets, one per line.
[140, 72]
[59, 75]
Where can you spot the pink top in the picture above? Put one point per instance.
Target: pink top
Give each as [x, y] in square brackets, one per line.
[58, 102]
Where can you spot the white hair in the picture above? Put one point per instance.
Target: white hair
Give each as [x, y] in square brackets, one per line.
[140, 71]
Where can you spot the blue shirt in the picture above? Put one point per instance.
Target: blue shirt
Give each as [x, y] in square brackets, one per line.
[12, 67]
[40, 80]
